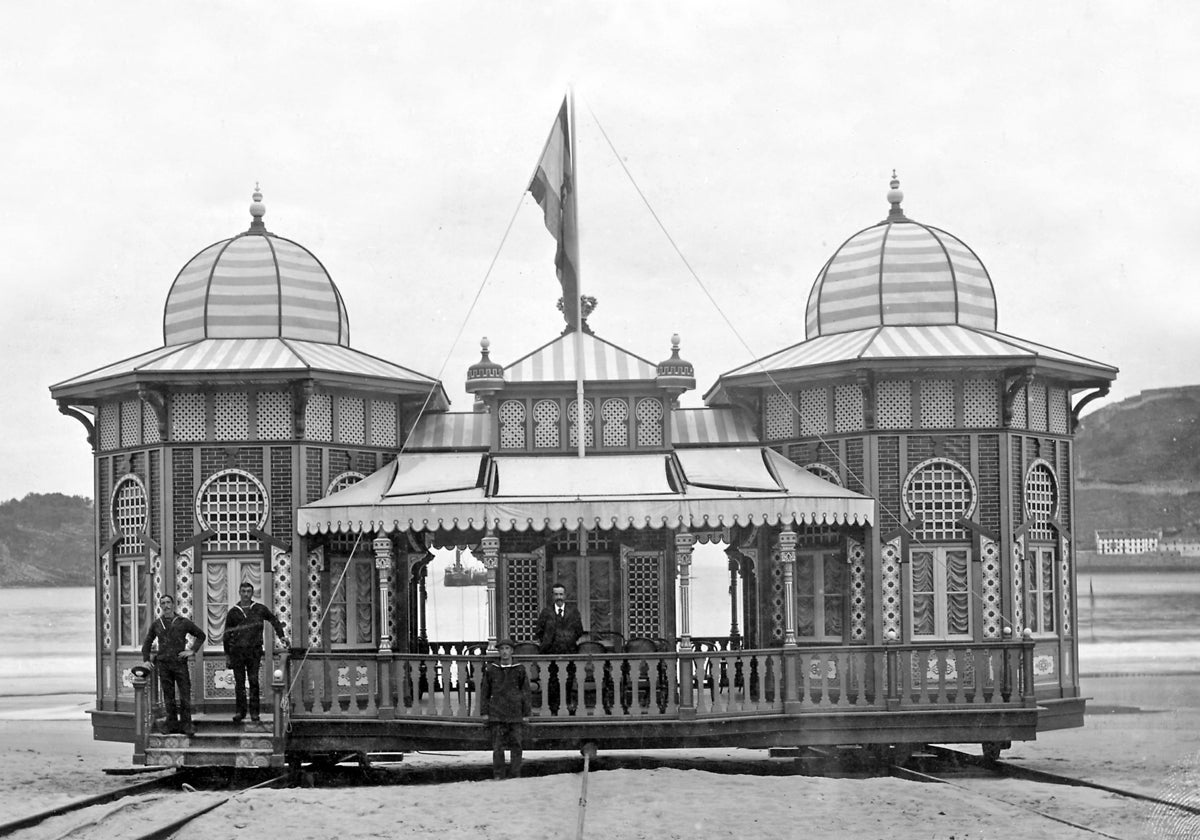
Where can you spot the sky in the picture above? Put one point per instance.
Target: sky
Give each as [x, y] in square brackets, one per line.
[396, 141]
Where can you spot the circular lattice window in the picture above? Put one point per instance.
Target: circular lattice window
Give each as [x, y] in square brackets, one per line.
[940, 492]
[130, 514]
[232, 503]
[1041, 499]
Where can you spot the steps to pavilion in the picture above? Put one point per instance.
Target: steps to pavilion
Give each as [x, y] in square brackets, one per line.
[217, 743]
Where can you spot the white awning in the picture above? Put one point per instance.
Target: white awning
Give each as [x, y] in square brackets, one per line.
[436, 491]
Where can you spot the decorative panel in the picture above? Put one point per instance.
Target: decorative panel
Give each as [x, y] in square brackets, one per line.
[981, 404]
[521, 576]
[187, 417]
[778, 416]
[857, 558]
[937, 404]
[1059, 411]
[642, 568]
[318, 418]
[281, 580]
[231, 417]
[106, 600]
[893, 404]
[1064, 566]
[512, 424]
[776, 597]
[316, 564]
[545, 424]
[1037, 407]
[131, 423]
[383, 423]
[351, 427]
[814, 411]
[274, 415]
[891, 590]
[989, 557]
[589, 419]
[1019, 414]
[149, 425]
[183, 583]
[649, 413]
[1018, 584]
[614, 421]
[110, 431]
[848, 408]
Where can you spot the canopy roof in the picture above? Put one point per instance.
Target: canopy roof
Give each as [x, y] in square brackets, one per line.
[692, 489]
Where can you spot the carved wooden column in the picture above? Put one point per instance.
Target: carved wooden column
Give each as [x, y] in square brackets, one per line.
[787, 559]
[683, 563]
[383, 574]
[490, 546]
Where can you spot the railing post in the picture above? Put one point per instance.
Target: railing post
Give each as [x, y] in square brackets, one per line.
[1027, 698]
[278, 686]
[490, 546]
[141, 715]
[383, 569]
[1006, 665]
[787, 558]
[892, 670]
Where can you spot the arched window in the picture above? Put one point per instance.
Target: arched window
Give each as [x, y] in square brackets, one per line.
[343, 480]
[823, 471]
[545, 424]
[129, 520]
[649, 413]
[129, 514]
[512, 424]
[614, 416]
[1041, 507]
[940, 492]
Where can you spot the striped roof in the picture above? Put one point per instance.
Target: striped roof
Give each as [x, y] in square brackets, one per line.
[255, 285]
[900, 272]
[707, 426]
[249, 356]
[451, 431]
[602, 362]
[913, 343]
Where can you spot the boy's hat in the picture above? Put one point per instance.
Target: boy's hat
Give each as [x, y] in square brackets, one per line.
[502, 642]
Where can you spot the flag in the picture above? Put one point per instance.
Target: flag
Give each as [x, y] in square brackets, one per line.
[552, 185]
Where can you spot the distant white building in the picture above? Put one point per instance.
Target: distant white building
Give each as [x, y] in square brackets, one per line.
[1127, 541]
[1185, 546]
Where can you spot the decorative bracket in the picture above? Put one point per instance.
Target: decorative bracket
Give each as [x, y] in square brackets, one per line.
[70, 411]
[866, 382]
[302, 392]
[1101, 391]
[1012, 387]
[156, 398]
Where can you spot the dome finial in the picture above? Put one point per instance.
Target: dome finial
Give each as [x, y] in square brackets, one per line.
[257, 211]
[895, 196]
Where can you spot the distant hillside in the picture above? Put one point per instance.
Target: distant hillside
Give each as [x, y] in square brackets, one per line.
[1138, 464]
[46, 540]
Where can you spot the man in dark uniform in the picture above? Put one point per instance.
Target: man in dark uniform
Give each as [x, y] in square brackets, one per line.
[173, 662]
[505, 700]
[244, 647]
[558, 630]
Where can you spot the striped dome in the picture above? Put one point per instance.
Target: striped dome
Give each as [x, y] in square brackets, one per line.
[900, 272]
[255, 285]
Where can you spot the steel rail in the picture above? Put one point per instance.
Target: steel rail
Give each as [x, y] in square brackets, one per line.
[88, 801]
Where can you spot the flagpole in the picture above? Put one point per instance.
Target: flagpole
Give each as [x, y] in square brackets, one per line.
[580, 414]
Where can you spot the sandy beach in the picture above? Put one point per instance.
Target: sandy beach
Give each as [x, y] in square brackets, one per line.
[1141, 733]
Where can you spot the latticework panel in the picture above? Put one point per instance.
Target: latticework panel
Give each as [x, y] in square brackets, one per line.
[779, 416]
[351, 428]
[1041, 499]
[318, 418]
[281, 573]
[1018, 584]
[649, 413]
[521, 571]
[890, 602]
[129, 514]
[847, 408]
[981, 404]
[989, 557]
[939, 492]
[1019, 414]
[131, 422]
[232, 503]
[1037, 407]
[1064, 568]
[857, 557]
[383, 423]
[110, 426]
[316, 562]
[274, 415]
[776, 597]
[1059, 411]
[589, 419]
[149, 425]
[814, 411]
[644, 602]
[545, 424]
[187, 417]
[893, 404]
[231, 416]
[512, 424]
[614, 421]
[937, 404]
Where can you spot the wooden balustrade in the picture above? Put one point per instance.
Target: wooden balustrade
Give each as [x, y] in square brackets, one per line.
[646, 686]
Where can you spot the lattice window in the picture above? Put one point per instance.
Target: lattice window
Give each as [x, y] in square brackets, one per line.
[231, 416]
[779, 416]
[825, 472]
[383, 423]
[589, 421]
[1019, 414]
[318, 418]
[848, 408]
[1041, 499]
[545, 424]
[981, 404]
[1058, 411]
[110, 426]
[512, 424]
[149, 425]
[131, 422]
[187, 417]
[232, 503]
[274, 415]
[342, 481]
[940, 492]
[129, 514]
[649, 413]
[814, 411]
[1037, 407]
[644, 616]
[937, 404]
[351, 427]
[521, 572]
[893, 408]
[614, 421]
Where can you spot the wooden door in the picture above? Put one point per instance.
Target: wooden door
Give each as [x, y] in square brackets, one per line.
[592, 586]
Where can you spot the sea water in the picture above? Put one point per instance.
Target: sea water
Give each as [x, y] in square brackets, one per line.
[1127, 623]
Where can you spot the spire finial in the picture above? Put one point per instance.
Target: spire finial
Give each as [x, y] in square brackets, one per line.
[895, 196]
[257, 210]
